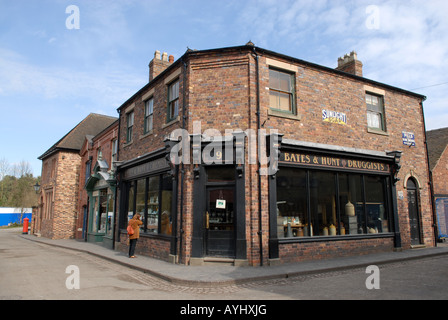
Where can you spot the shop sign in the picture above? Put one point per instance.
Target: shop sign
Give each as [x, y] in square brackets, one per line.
[311, 160]
[146, 168]
[334, 117]
[220, 204]
[408, 138]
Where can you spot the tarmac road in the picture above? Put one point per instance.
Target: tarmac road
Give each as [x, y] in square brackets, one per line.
[37, 271]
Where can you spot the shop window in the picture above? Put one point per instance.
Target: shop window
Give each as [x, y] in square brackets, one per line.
[292, 212]
[323, 203]
[375, 112]
[131, 200]
[110, 213]
[166, 224]
[152, 217]
[153, 196]
[281, 91]
[351, 204]
[377, 221]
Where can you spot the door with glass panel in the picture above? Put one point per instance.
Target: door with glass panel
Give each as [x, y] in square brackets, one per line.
[220, 222]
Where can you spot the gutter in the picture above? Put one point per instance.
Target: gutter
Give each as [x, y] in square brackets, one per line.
[260, 224]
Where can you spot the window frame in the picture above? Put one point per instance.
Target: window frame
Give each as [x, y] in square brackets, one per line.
[362, 215]
[148, 204]
[129, 127]
[291, 93]
[380, 113]
[172, 100]
[149, 117]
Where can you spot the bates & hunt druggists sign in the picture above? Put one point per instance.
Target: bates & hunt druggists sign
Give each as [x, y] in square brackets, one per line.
[318, 161]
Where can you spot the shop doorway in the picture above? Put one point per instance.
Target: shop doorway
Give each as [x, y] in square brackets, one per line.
[220, 221]
[414, 212]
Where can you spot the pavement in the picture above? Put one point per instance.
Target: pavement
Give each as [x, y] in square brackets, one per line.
[223, 275]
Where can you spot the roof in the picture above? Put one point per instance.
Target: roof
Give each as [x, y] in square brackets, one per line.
[251, 47]
[91, 125]
[437, 141]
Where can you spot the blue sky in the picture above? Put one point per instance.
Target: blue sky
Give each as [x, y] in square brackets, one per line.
[52, 77]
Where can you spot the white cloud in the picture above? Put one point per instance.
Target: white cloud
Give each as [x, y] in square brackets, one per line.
[105, 89]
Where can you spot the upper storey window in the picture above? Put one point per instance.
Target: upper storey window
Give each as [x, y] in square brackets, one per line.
[281, 91]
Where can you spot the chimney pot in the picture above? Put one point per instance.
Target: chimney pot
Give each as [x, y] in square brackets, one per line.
[171, 58]
[164, 56]
[349, 63]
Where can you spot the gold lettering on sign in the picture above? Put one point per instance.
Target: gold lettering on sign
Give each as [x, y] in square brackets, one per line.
[332, 162]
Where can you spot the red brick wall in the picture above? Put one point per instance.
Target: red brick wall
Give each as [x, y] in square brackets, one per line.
[440, 174]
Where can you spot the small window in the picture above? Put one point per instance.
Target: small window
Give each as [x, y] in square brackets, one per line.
[114, 151]
[173, 100]
[149, 109]
[130, 126]
[375, 112]
[281, 91]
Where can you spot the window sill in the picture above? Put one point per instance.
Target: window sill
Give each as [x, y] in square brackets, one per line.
[336, 238]
[128, 144]
[281, 114]
[149, 133]
[177, 119]
[377, 131]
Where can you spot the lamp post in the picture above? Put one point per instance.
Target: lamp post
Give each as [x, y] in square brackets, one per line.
[36, 187]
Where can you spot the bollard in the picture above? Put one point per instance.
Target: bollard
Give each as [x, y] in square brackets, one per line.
[25, 225]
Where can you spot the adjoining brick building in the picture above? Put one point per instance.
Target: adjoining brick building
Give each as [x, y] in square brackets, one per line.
[57, 215]
[438, 160]
[97, 186]
[352, 178]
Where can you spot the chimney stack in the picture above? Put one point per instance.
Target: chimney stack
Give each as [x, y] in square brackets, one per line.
[159, 64]
[350, 64]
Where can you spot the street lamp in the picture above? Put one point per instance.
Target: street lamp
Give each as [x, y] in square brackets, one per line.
[36, 187]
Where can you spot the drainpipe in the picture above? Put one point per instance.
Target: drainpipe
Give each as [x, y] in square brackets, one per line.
[431, 186]
[114, 235]
[182, 169]
[260, 225]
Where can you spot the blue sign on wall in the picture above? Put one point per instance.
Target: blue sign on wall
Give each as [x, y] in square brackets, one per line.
[408, 138]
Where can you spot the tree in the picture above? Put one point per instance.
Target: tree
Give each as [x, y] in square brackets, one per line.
[16, 185]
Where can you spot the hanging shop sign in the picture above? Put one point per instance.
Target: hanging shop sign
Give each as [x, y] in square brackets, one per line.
[319, 161]
[334, 117]
[408, 138]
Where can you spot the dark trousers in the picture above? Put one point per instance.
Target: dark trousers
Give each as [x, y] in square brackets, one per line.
[132, 244]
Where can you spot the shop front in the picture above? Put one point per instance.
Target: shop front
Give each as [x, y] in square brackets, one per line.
[147, 187]
[100, 188]
[330, 202]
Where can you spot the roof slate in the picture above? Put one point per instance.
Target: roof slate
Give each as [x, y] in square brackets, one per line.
[437, 142]
[91, 125]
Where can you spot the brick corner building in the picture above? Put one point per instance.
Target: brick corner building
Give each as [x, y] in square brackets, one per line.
[353, 176]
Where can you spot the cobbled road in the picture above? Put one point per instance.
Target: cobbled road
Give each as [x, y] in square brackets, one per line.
[31, 270]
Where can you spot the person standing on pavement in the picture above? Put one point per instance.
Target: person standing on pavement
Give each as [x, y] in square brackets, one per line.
[135, 224]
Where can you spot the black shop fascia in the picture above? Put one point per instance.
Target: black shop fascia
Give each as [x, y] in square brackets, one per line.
[330, 193]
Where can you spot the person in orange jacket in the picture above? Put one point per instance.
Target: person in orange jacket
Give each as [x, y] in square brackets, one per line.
[135, 224]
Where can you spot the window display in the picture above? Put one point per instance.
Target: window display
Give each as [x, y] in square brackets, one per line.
[153, 196]
[313, 203]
